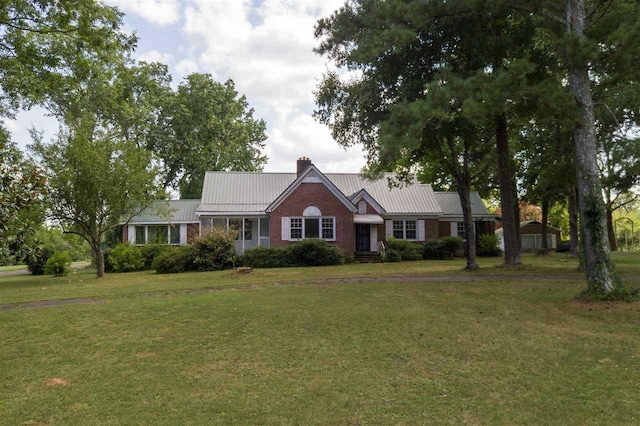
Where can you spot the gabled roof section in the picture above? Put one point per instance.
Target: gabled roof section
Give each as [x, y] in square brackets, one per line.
[169, 211]
[312, 174]
[451, 205]
[364, 195]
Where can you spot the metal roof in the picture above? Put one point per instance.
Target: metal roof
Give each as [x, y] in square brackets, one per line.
[254, 191]
[530, 222]
[169, 211]
[451, 206]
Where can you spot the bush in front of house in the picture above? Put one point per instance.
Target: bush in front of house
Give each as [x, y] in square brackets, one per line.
[215, 250]
[435, 250]
[488, 245]
[150, 252]
[266, 257]
[563, 247]
[126, 258]
[407, 250]
[452, 245]
[58, 264]
[37, 261]
[314, 252]
[173, 260]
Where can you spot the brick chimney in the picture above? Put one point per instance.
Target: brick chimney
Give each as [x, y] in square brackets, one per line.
[303, 163]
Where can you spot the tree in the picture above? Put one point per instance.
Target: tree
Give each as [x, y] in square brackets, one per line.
[21, 187]
[96, 180]
[206, 126]
[36, 37]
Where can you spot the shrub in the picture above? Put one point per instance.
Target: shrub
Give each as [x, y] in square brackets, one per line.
[150, 252]
[563, 247]
[58, 264]
[263, 257]
[37, 261]
[126, 258]
[172, 260]
[452, 245]
[106, 255]
[314, 252]
[436, 250]
[489, 245]
[215, 250]
[406, 249]
[392, 256]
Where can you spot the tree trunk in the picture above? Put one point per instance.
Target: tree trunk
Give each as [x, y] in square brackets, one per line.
[516, 209]
[601, 276]
[610, 231]
[545, 218]
[98, 257]
[464, 191]
[573, 221]
[510, 223]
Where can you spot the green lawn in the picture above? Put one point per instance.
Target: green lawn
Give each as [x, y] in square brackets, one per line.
[259, 352]
[10, 268]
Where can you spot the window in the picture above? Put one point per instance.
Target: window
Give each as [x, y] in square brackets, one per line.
[328, 228]
[398, 229]
[157, 234]
[248, 229]
[410, 230]
[174, 234]
[405, 230]
[461, 229]
[296, 228]
[235, 225]
[312, 227]
[140, 235]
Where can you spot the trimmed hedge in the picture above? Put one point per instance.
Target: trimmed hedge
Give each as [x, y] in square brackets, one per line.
[174, 260]
[489, 245]
[310, 252]
[435, 250]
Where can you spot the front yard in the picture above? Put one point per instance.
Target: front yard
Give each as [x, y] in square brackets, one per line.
[314, 345]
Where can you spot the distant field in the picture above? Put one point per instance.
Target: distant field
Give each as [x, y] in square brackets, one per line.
[12, 268]
[282, 346]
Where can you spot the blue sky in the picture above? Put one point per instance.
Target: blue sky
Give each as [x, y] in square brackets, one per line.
[265, 46]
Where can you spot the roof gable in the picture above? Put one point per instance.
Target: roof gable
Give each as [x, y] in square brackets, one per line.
[364, 195]
[312, 175]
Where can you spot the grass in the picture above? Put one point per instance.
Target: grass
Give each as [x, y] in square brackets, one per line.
[10, 268]
[481, 352]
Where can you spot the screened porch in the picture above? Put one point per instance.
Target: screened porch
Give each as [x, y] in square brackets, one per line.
[251, 231]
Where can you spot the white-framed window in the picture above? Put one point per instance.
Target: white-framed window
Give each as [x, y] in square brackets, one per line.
[461, 229]
[322, 227]
[296, 228]
[157, 234]
[405, 230]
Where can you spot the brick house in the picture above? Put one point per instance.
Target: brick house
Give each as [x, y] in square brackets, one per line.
[275, 209]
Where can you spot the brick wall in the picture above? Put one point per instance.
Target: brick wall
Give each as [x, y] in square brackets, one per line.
[193, 230]
[444, 229]
[315, 194]
[431, 229]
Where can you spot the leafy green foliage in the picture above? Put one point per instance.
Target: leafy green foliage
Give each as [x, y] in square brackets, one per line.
[314, 252]
[563, 247]
[489, 245]
[206, 126]
[150, 252]
[435, 250]
[405, 250]
[174, 260]
[37, 259]
[58, 264]
[215, 250]
[126, 258]
[452, 245]
[56, 241]
[266, 257]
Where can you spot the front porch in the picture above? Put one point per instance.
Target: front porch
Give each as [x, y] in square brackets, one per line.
[252, 231]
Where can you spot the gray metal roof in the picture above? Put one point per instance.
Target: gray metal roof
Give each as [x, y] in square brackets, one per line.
[169, 211]
[254, 192]
[451, 206]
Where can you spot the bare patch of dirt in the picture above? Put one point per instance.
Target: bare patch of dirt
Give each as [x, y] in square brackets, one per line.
[48, 303]
[56, 381]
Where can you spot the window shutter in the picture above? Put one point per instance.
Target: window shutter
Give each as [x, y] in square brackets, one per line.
[389, 228]
[286, 228]
[454, 229]
[183, 234]
[421, 230]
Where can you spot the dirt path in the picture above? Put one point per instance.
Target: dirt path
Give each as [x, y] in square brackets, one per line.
[12, 273]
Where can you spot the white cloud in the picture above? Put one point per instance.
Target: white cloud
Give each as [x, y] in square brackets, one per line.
[162, 12]
[155, 56]
[267, 49]
[186, 67]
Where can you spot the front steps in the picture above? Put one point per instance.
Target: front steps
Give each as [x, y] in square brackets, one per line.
[367, 257]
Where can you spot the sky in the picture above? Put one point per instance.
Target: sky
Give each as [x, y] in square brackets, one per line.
[264, 46]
